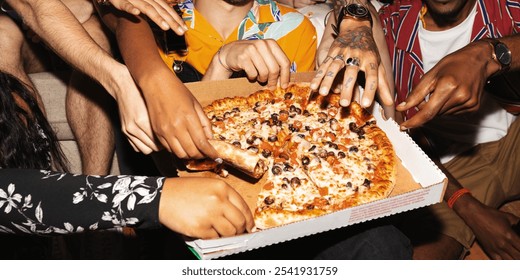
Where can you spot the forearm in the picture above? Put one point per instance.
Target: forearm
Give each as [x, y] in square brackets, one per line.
[50, 203]
[141, 56]
[58, 27]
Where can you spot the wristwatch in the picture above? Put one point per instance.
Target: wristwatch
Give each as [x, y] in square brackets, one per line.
[501, 54]
[353, 11]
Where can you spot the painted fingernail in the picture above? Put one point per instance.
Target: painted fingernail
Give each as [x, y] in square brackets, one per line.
[344, 102]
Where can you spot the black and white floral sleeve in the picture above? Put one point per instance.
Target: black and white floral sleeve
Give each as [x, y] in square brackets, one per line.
[50, 203]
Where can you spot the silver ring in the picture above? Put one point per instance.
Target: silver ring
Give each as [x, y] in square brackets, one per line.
[339, 57]
[352, 61]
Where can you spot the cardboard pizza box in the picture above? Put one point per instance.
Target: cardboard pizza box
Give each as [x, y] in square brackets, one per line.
[419, 182]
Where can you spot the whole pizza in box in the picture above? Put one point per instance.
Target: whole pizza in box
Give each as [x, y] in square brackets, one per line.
[318, 157]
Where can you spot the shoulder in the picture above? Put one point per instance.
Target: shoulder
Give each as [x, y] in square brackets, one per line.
[291, 16]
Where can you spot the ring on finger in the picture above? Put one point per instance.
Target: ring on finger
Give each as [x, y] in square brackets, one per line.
[339, 57]
[352, 61]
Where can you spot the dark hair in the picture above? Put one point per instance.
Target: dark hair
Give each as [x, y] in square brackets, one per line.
[26, 137]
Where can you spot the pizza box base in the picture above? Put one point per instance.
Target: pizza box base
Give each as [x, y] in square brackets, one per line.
[419, 183]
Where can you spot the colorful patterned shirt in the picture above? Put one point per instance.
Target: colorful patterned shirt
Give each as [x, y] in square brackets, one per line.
[266, 20]
[400, 20]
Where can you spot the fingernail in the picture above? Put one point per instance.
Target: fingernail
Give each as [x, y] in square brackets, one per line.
[181, 30]
[366, 103]
[324, 91]
[219, 161]
[403, 127]
[344, 102]
[165, 24]
[185, 28]
[402, 104]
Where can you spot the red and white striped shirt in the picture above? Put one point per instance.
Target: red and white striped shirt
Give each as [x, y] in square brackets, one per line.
[400, 20]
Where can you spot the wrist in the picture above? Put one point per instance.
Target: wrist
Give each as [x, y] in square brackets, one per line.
[499, 56]
[492, 66]
[457, 195]
[351, 13]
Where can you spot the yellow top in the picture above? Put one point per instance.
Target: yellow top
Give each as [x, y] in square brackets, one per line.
[294, 33]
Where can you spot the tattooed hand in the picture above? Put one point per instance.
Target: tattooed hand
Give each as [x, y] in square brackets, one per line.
[355, 40]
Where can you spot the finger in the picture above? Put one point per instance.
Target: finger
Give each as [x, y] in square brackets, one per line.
[139, 146]
[133, 145]
[336, 65]
[337, 88]
[459, 110]
[250, 69]
[209, 234]
[283, 64]
[175, 21]
[349, 82]
[515, 249]
[224, 227]
[320, 73]
[204, 121]
[428, 112]
[131, 9]
[236, 218]
[370, 84]
[152, 11]
[145, 136]
[197, 145]
[244, 209]
[174, 146]
[418, 94]
[385, 93]
[504, 256]
[263, 64]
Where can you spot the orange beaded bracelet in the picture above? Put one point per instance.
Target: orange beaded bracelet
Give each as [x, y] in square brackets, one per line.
[456, 195]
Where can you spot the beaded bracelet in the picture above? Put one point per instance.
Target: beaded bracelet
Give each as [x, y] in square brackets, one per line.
[456, 195]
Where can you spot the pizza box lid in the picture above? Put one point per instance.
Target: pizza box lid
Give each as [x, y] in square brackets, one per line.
[419, 182]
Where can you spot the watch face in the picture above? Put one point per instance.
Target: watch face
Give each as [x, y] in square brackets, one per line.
[356, 10]
[503, 54]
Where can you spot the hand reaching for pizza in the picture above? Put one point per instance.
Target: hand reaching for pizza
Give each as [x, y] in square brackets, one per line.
[135, 122]
[203, 208]
[448, 89]
[177, 119]
[262, 60]
[159, 11]
[354, 50]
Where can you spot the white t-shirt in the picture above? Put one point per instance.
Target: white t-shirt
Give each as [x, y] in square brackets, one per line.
[457, 133]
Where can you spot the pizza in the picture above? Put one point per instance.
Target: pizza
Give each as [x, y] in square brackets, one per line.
[316, 156]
